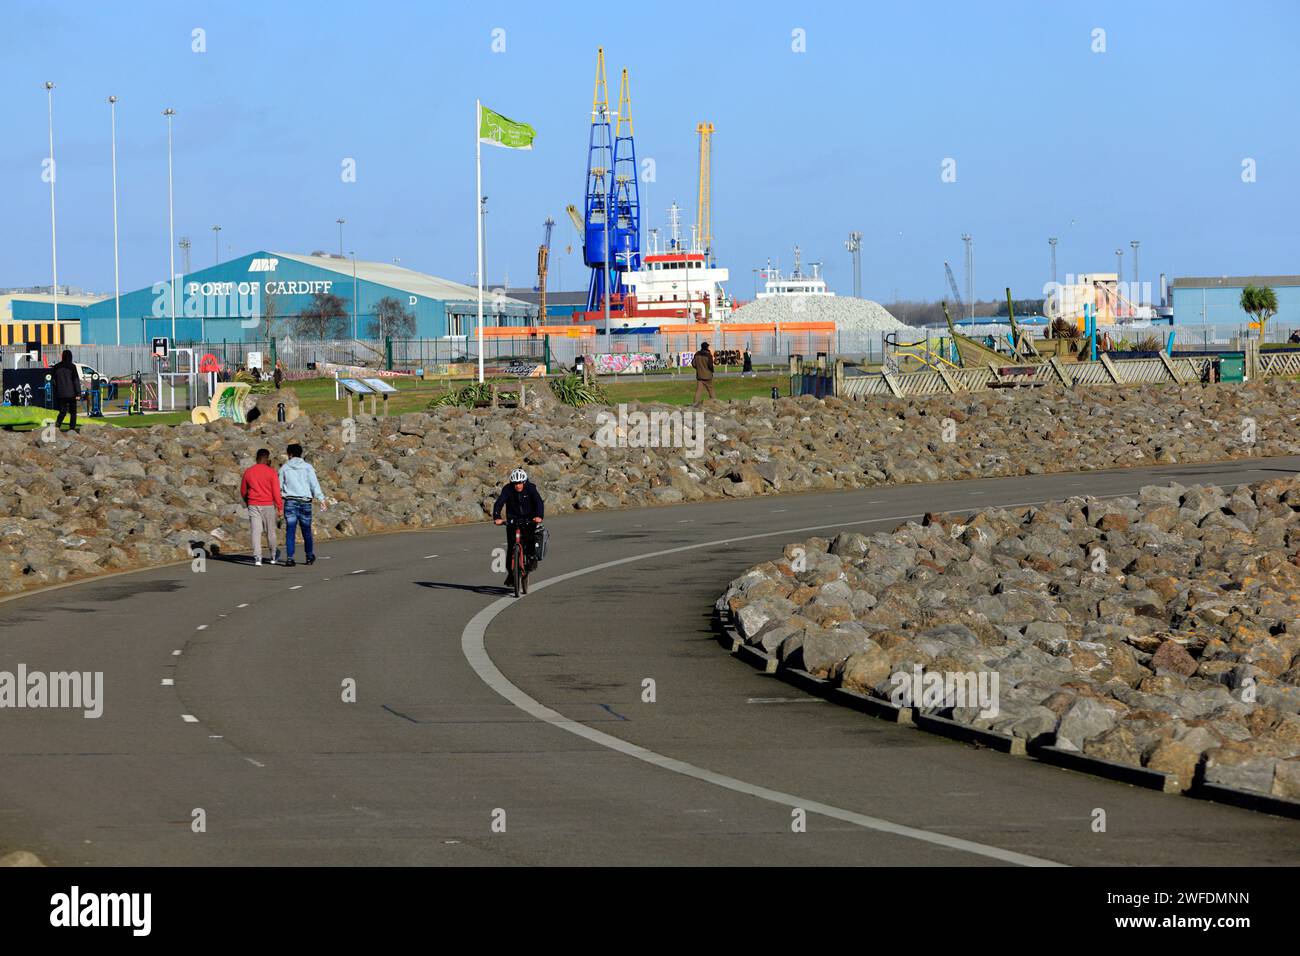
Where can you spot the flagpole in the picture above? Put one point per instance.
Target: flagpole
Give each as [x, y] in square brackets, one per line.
[478, 216]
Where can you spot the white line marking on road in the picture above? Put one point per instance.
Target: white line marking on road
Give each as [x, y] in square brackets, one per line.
[176, 653]
[241, 605]
[254, 762]
[201, 627]
[358, 571]
[472, 645]
[686, 521]
[427, 556]
[777, 511]
[223, 615]
[167, 682]
[296, 587]
[597, 531]
[189, 718]
[785, 700]
[216, 737]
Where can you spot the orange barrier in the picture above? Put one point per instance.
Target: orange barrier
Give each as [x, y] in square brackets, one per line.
[530, 331]
[725, 327]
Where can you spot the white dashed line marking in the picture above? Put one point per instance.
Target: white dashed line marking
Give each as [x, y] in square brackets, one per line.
[241, 605]
[254, 762]
[784, 700]
[176, 653]
[359, 571]
[597, 531]
[295, 587]
[428, 556]
[215, 737]
[167, 682]
[189, 718]
[201, 627]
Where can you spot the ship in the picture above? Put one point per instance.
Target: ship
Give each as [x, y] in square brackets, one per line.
[796, 283]
[677, 284]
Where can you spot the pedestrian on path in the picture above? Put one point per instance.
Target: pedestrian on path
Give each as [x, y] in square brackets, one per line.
[260, 489]
[703, 365]
[748, 368]
[299, 485]
[67, 389]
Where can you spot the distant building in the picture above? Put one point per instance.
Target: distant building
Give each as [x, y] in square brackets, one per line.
[27, 315]
[560, 306]
[1216, 300]
[232, 301]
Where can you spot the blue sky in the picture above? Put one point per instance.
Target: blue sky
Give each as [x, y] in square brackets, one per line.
[1143, 141]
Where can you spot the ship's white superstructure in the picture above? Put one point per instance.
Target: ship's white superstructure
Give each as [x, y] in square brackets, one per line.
[796, 283]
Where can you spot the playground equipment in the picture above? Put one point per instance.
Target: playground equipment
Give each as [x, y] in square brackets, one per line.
[227, 402]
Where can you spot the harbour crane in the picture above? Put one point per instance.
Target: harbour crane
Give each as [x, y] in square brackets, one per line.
[543, 261]
[952, 284]
[703, 215]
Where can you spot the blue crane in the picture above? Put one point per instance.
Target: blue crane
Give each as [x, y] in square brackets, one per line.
[611, 224]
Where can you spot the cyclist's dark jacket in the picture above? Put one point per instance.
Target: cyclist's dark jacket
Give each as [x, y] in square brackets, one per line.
[519, 504]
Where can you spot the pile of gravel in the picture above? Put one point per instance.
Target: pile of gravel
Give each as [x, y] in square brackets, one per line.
[848, 314]
[1160, 630]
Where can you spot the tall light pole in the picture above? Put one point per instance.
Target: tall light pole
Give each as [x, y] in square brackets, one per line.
[216, 244]
[1051, 241]
[117, 284]
[340, 222]
[354, 294]
[1119, 276]
[970, 276]
[171, 223]
[854, 245]
[1137, 278]
[184, 243]
[53, 172]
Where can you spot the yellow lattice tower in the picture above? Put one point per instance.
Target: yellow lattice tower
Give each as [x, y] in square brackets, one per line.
[600, 96]
[703, 219]
[624, 106]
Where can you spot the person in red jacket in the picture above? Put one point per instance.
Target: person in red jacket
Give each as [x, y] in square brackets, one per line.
[260, 489]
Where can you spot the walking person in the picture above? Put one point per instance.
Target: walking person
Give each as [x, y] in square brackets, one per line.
[278, 376]
[747, 369]
[260, 489]
[299, 486]
[703, 365]
[67, 390]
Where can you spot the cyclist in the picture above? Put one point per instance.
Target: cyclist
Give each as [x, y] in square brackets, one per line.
[523, 504]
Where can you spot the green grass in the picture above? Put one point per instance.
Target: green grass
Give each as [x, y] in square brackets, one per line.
[682, 390]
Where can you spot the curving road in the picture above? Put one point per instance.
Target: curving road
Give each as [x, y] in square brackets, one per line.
[223, 692]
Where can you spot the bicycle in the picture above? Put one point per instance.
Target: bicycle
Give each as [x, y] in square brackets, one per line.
[520, 565]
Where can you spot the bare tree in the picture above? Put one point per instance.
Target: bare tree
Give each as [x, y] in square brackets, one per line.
[390, 320]
[269, 320]
[323, 319]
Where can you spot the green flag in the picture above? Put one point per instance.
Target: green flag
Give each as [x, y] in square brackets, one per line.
[495, 130]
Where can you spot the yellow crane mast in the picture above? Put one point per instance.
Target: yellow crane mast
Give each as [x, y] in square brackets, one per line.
[703, 219]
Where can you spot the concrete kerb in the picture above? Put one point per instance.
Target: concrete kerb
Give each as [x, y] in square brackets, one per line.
[1043, 750]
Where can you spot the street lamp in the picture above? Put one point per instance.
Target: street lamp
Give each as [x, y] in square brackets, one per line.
[117, 285]
[1137, 278]
[53, 173]
[216, 244]
[340, 222]
[354, 294]
[970, 275]
[171, 223]
[1051, 241]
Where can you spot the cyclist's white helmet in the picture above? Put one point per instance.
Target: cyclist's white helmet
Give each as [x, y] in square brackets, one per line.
[518, 475]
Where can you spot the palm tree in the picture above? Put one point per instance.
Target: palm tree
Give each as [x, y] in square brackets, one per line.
[1261, 302]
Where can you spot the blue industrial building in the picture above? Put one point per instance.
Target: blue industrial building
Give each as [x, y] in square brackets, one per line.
[1216, 300]
[240, 300]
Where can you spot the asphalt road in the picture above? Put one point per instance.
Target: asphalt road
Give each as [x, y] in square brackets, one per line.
[223, 692]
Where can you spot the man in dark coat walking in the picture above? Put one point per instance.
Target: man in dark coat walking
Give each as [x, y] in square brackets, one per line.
[67, 390]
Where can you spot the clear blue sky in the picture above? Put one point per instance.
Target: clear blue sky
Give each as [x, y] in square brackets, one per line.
[1144, 141]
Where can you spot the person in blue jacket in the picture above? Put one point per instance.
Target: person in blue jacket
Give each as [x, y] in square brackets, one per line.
[298, 486]
[522, 502]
